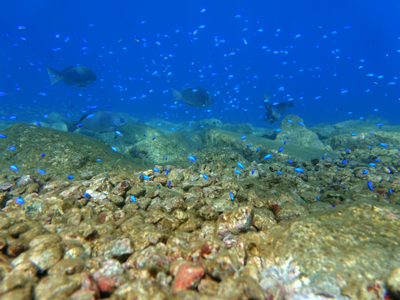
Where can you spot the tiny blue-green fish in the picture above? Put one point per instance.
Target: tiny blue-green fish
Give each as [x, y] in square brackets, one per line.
[369, 147]
[344, 161]
[70, 177]
[372, 164]
[258, 149]
[371, 133]
[98, 159]
[87, 195]
[267, 156]
[42, 154]
[192, 158]
[89, 116]
[114, 149]
[205, 176]
[2, 136]
[390, 191]
[284, 142]
[278, 130]
[377, 160]
[13, 168]
[41, 171]
[353, 134]
[248, 146]
[165, 158]
[290, 161]
[118, 132]
[230, 194]
[140, 176]
[155, 170]
[12, 148]
[323, 157]
[370, 185]
[169, 183]
[301, 123]
[240, 165]
[166, 172]
[279, 172]
[13, 117]
[79, 125]
[153, 138]
[145, 177]
[19, 200]
[299, 170]
[290, 121]
[383, 145]
[237, 172]
[365, 172]
[133, 198]
[348, 150]
[243, 137]
[280, 149]
[38, 123]
[380, 124]
[252, 171]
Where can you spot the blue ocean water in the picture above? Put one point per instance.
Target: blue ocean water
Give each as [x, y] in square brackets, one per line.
[337, 60]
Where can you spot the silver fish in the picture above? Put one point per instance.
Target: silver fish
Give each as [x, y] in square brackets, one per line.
[98, 121]
[75, 75]
[276, 110]
[193, 96]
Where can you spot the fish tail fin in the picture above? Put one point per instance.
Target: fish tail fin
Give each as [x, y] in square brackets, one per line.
[266, 95]
[71, 125]
[54, 75]
[177, 95]
[290, 103]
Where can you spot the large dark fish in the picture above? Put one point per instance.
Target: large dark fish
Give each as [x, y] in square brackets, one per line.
[75, 75]
[275, 110]
[194, 96]
[98, 121]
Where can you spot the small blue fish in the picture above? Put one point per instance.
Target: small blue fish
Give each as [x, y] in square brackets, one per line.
[369, 147]
[169, 183]
[365, 172]
[280, 149]
[380, 124]
[19, 200]
[13, 117]
[372, 164]
[284, 142]
[243, 137]
[153, 138]
[89, 116]
[70, 177]
[114, 149]
[118, 133]
[155, 170]
[166, 172]
[230, 194]
[2, 136]
[145, 177]
[290, 121]
[248, 146]
[377, 160]
[278, 130]
[40, 171]
[98, 159]
[390, 191]
[240, 165]
[279, 172]
[258, 149]
[301, 123]
[290, 161]
[192, 158]
[42, 155]
[353, 134]
[87, 195]
[133, 198]
[38, 123]
[165, 158]
[252, 171]
[344, 161]
[267, 156]
[12, 148]
[237, 172]
[383, 145]
[370, 185]
[205, 176]
[13, 168]
[140, 176]
[299, 170]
